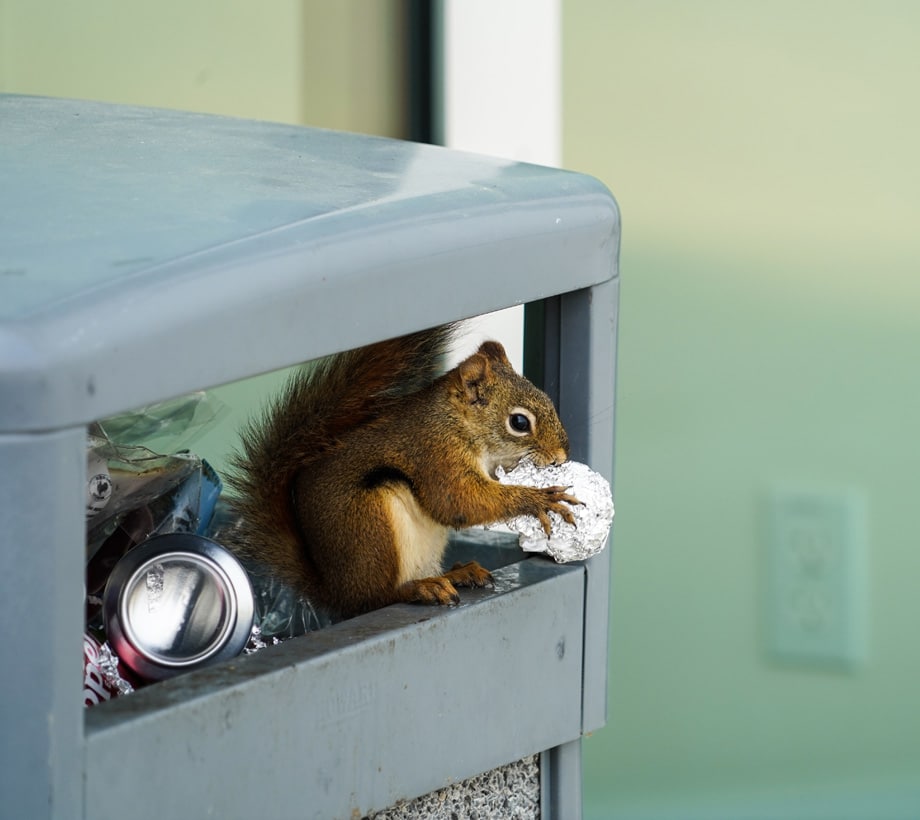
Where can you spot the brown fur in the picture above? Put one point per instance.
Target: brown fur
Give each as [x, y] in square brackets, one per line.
[350, 481]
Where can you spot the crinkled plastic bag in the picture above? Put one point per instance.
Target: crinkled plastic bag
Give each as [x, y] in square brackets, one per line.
[167, 426]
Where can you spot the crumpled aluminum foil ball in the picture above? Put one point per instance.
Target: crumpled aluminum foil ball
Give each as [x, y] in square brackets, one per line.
[593, 516]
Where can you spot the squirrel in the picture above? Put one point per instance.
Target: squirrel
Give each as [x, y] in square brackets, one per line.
[348, 484]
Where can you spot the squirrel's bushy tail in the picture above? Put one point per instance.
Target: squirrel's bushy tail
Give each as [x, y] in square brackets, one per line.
[320, 401]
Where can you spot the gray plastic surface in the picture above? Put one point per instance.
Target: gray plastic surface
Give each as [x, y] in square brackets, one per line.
[134, 236]
[147, 253]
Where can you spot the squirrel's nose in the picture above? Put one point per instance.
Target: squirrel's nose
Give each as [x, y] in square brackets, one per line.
[560, 457]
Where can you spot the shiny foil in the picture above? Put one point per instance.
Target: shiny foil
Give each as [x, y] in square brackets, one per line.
[593, 516]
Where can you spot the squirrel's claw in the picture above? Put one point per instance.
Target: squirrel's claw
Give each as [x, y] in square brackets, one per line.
[553, 498]
[442, 589]
[470, 574]
[435, 591]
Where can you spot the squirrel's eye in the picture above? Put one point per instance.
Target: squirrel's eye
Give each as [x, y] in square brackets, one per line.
[519, 423]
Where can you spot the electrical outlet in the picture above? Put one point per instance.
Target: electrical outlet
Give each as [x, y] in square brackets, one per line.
[816, 577]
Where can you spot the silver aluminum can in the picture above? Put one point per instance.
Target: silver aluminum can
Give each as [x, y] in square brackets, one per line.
[175, 603]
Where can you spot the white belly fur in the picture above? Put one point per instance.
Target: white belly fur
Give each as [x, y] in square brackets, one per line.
[421, 540]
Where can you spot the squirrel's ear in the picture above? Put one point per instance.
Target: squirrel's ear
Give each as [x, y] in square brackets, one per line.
[474, 373]
[495, 351]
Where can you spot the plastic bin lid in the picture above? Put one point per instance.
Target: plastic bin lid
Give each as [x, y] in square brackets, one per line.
[146, 252]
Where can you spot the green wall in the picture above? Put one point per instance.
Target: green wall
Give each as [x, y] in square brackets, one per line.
[764, 158]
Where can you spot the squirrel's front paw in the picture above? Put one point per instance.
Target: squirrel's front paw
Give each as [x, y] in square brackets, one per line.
[550, 499]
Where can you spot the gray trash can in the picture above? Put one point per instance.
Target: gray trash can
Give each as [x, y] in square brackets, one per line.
[147, 253]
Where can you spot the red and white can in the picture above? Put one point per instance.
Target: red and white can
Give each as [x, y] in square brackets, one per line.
[103, 675]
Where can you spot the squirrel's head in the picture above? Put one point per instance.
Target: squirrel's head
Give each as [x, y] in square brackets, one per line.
[509, 416]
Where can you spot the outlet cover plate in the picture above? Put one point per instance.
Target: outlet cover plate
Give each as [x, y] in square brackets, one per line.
[816, 590]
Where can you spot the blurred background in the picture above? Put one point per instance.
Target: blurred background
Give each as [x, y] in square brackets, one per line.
[766, 569]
